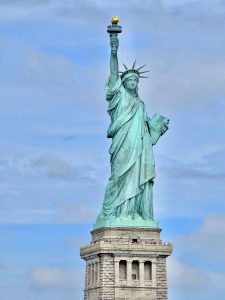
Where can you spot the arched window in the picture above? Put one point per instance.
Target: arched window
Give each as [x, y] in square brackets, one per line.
[123, 269]
[148, 270]
[135, 270]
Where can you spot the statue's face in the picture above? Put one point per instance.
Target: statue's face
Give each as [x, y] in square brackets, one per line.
[131, 83]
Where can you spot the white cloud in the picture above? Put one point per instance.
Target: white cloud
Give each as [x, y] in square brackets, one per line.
[209, 166]
[183, 277]
[207, 243]
[205, 5]
[60, 168]
[75, 212]
[188, 282]
[46, 277]
[56, 167]
[169, 3]
[184, 80]
[49, 165]
[181, 73]
[32, 67]
[22, 10]
[24, 2]
[196, 269]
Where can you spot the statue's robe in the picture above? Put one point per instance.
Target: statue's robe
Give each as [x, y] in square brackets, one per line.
[129, 191]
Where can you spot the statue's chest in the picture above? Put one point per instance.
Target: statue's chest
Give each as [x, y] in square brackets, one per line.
[130, 101]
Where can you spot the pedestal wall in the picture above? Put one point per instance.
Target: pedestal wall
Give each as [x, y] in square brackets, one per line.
[126, 263]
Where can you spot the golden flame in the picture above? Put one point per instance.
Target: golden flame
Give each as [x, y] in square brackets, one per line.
[115, 20]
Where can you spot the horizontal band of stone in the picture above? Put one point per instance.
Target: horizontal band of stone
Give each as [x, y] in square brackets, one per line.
[104, 247]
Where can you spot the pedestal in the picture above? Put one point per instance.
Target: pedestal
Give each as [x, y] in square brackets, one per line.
[126, 263]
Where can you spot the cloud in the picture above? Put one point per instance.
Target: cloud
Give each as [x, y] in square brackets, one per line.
[53, 166]
[196, 7]
[24, 2]
[186, 281]
[33, 67]
[183, 277]
[32, 188]
[189, 81]
[49, 165]
[190, 188]
[75, 212]
[13, 291]
[207, 243]
[58, 168]
[209, 167]
[185, 73]
[196, 269]
[54, 278]
[22, 10]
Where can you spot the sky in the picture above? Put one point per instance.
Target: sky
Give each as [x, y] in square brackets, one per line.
[54, 160]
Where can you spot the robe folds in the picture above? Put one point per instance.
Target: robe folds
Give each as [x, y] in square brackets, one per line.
[129, 190]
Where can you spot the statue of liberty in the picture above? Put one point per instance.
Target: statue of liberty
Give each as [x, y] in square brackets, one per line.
[129, 194]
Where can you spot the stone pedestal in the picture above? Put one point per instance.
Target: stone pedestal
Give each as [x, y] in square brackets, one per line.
[126, 263]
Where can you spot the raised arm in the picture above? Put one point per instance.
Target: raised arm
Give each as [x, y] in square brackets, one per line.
[114, 70]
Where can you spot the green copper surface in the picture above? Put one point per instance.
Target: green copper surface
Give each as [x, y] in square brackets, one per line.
[128, 198]
[127, 223]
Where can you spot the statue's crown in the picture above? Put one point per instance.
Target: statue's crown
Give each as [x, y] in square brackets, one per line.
[133, 70]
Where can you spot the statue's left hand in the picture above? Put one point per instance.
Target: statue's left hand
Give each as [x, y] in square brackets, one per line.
[114, 42]
[164, 128]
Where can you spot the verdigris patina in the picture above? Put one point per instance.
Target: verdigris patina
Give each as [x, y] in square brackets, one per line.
[128, 198]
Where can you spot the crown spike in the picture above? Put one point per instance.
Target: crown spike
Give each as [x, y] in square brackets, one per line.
[143, 72]
[141, 67]
[132, 70]
[133, 65]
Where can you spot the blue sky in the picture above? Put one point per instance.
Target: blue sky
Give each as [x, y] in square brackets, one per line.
[54, 162]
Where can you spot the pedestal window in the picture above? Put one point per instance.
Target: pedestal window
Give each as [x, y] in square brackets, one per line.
[96, 272]
[123, 270]
[89, 273]
[92, 273]
[148, 270]
[135, 270]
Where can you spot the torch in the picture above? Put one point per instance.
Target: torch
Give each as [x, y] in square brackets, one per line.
[114, 28]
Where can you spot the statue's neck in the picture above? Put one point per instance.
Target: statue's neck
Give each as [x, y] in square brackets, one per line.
[132, 93]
